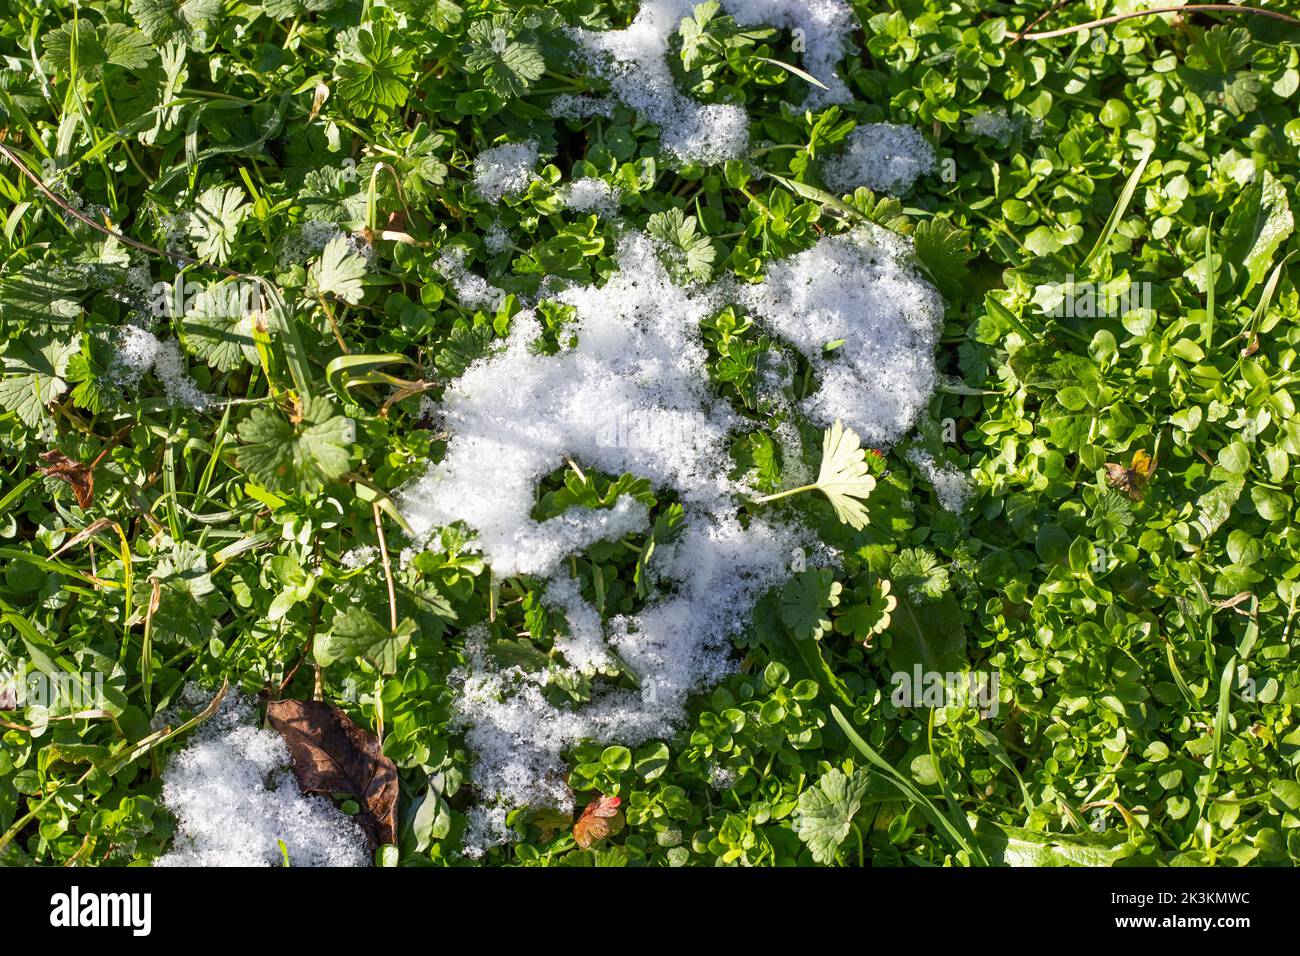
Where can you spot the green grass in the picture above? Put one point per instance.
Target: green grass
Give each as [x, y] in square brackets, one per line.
[1144, 645]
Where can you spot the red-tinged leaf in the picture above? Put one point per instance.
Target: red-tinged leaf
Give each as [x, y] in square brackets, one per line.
[601, 818]
[331, 754]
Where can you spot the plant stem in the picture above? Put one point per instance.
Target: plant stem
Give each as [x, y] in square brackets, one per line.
[784, 494]
[1191, 7]
[388, 568]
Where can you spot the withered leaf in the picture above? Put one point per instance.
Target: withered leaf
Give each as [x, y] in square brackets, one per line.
[81, 477]
[321, 94]
[601, 818]
[331, 754]
[1133, 479]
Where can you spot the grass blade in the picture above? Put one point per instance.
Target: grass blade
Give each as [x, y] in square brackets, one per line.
[1121, 207]
[909, 790]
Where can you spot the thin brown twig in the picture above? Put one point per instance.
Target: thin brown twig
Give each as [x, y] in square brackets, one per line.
[1188, 8]
[1037, 20]
[80, 216]
[112, 442]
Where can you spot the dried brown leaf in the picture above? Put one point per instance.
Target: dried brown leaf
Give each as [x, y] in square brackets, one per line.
[331, 754]
[1133, 479]
[80, 476]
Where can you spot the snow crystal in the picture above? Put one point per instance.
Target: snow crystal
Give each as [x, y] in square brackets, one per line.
[885, 157]
[236, 800]
[473, 291]
[361, 557]
[175, 230]
[992, 123]
[311, 237]
[516, 415]
[722, 778]
[949, 484]
[139, 351]
[571, 107]
[505, 170]
[821, 24]
[634, 62]
[591, 195]
[496, 239]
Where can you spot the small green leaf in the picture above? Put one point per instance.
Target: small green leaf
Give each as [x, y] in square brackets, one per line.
[1259, 223]
[339, 271]
[287, 458]
[33, 376]
[355, 633]
[931, 635]
[375, 78]
[218, 328]
[944, 250]
[506, 66]
[214, 224]
[691, 254]
[804, 600]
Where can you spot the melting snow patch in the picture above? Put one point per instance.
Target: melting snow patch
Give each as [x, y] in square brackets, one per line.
[308, 240]
[950, 485]
[505, 170]
[139, 351]
[571, 107]
[884, 157]
[634, 62]
[516, 415]
[858, 290]
[236, 800]
[496, 239]
[721, 778]
[361, 557]
[591, 195]
[473, 291]
[993, 123]
[821, 24]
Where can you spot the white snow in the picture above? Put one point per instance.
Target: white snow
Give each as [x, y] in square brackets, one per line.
[994, 123]
[885, 157]
[361, 557]
[569, 106]
[139, 351]
[634, 62]
[516, 416]
[822, 25]
[311, 236]
[589, 194]
[496, 239]
[861, 289]
[722, 778]
[473, 291]
[950, 485]
[505, 170]
[236, 799]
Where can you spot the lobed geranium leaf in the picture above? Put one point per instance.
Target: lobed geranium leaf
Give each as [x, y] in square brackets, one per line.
[826, 810]
[339, 271]
[285, 456]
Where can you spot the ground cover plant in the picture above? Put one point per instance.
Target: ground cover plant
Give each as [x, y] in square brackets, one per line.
[613, 433]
